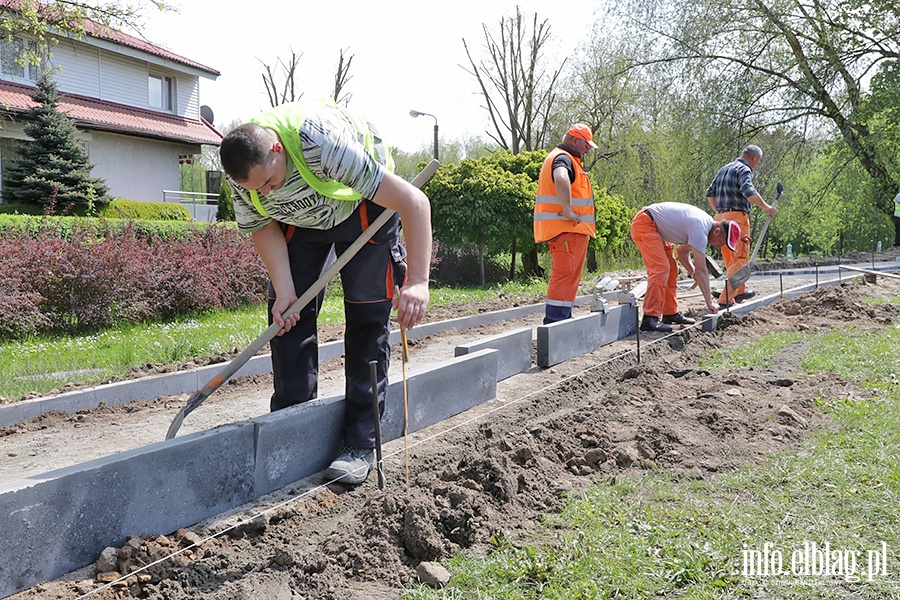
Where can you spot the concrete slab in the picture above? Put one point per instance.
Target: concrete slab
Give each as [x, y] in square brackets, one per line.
[61, 521]
[296, 442]
[515, 348]
[558, 342]
[444, 390]
[122, 392]
[710, 322]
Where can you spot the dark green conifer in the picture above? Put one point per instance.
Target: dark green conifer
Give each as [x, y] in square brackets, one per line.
[54, 166]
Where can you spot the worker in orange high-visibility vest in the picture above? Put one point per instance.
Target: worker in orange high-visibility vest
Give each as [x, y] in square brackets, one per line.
[564, 218]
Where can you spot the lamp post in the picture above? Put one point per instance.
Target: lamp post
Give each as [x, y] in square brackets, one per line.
[416, 113]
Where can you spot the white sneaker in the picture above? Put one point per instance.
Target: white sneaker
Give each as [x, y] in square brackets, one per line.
[352, 465]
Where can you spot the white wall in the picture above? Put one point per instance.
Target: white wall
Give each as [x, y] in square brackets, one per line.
[78, 68]
[99, 73]
[137, 168]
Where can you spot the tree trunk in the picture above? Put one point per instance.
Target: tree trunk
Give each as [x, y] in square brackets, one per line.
[591, 260]
[481, 257]
[512, 263]
[530, 266]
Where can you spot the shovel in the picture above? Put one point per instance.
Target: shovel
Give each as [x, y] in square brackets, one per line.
[238, 361]
[714, 271]
[741, 277]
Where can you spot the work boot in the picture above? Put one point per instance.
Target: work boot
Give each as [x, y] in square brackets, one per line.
[745, 296]
[352, 465]
[650, 323]
[677, 319]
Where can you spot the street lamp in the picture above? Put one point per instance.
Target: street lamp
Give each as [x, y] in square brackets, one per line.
[416, 113]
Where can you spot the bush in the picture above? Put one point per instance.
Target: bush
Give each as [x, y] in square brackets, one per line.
[225, 210]
[64, 226]
[117, 209]
[148, 211]
[459, 266]
[84, 282]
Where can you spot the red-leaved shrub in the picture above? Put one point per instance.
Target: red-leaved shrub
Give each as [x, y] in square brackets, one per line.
[85, 283]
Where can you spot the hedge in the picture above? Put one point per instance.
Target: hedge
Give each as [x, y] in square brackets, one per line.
[64, 226]
[73, 275]
[117, 209]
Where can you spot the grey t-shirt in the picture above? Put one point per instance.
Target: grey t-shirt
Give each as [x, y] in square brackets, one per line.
[680, 223]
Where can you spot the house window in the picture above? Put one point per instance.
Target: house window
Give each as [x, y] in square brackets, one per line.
[162, 92]
[16, 59]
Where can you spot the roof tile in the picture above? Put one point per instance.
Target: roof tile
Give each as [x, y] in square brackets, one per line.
[100, 115]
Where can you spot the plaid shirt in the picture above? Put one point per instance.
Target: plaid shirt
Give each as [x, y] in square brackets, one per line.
[731, 187]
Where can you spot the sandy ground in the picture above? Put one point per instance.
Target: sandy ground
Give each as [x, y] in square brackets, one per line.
[489, 471]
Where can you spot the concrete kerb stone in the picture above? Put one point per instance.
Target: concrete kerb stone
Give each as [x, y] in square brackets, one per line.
[710, 322]
[440, 392]
[78, 511]
[62, 520]
[123, 392]
[561, 341]
[302, 440]
[296, 442]
[514, 347]
[173, 384]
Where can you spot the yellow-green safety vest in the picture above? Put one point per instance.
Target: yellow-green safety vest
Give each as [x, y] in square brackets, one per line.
[287, 120]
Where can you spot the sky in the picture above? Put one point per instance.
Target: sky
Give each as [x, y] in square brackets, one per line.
[406, 55]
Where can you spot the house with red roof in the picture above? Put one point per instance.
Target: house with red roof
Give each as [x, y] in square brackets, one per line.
[136, 105]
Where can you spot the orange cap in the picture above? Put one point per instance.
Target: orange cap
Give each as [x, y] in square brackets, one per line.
[582, 131]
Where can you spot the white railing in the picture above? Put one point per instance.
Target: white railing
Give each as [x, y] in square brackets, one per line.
[202, 206]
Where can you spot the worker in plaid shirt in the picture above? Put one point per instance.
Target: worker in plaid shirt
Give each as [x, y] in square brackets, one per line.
[730, 195]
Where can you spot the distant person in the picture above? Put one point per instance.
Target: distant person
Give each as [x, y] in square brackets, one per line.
[655, 230]
[564, 218]
[730, 195]
[897, 220]
[309, 177]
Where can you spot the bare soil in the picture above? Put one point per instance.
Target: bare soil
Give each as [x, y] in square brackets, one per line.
[493, 470]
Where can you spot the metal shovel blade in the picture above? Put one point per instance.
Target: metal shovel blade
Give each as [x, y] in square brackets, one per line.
[713, 267]
[741, 277]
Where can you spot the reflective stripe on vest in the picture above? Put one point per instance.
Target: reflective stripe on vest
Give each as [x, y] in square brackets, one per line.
[548, 223]
[287, 121]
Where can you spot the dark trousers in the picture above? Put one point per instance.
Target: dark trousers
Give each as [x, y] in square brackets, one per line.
[897, 231]
[368, 282]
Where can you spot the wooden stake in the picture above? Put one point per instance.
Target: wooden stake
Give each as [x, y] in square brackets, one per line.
[404, 359]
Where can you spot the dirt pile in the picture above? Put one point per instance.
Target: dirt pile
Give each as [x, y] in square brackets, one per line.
[489, 480]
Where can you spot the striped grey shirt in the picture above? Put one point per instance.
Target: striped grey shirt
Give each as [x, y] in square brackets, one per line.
[333, 149]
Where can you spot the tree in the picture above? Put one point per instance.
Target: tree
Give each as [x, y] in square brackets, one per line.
[42, 21]
[286, 91]
[518, 93]
[54, 166]
[781, 62]
[281, 93]
[341, 79]
[480, 203]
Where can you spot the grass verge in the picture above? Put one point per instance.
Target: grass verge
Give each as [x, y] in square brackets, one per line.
[821, 523]
[42, 364]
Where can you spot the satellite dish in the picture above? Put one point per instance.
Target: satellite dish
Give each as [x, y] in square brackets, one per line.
[207, 113]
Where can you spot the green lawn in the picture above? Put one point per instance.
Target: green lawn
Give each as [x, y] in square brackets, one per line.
[41, 364]
[655, 535]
